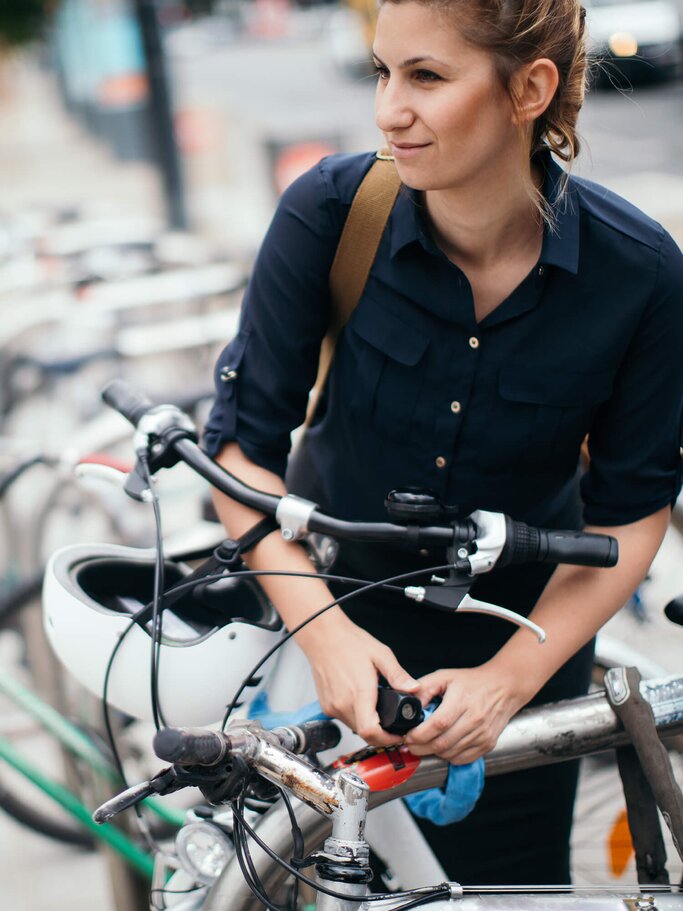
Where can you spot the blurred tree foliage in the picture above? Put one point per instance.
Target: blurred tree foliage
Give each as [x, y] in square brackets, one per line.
[22, 21]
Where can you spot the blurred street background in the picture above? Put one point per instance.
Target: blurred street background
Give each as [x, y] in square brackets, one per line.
[143, 147]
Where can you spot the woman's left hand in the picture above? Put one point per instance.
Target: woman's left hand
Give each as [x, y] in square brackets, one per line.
[476, 705]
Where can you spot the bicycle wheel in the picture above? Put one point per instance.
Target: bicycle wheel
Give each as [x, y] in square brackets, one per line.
[26, 656]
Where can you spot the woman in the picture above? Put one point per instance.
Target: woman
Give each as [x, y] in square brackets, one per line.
[510, 311]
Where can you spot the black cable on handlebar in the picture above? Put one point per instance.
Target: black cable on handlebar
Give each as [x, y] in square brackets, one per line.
[159, 560]
[153, 892]
[255, 878]
[116, 756]
[366, 587]
[297, 838]
[430, 893]
[245, 862]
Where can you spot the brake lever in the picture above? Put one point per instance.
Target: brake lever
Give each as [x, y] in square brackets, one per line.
[453, 596]
[164, 782]
[137, 484]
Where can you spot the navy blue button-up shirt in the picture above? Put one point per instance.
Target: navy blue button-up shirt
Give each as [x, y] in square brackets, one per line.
[492, 414]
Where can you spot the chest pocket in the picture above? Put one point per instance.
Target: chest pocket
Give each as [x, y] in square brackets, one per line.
[389, 355]
[539, 417]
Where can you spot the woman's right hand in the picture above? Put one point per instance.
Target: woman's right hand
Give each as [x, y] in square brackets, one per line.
[346, 662]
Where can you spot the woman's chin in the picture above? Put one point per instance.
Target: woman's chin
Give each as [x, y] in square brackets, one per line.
[412, 175]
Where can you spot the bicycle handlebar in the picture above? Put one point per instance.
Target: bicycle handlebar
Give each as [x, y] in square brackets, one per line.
[515, 542]
[130, 403]
[199, 747]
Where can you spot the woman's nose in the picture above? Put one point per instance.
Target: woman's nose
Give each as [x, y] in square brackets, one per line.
[391, 109]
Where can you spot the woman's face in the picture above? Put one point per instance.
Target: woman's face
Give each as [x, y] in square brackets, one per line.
[440, 104]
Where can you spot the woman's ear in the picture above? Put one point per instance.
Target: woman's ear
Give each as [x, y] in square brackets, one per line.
[534, 86]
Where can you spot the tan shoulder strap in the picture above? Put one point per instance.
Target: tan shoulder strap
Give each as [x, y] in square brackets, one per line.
[355, 255]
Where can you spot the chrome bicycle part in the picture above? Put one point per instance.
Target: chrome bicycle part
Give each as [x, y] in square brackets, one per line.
[490, 541]
[463, 602]
[292, 515]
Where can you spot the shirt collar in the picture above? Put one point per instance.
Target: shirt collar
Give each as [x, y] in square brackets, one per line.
[560, 245]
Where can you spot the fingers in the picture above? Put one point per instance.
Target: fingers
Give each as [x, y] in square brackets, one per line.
[353, 700]
[395, 675]
[458, 730]
[432, 685]
[457, 749]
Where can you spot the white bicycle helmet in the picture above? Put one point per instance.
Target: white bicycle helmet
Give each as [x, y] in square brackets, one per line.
[211, 638]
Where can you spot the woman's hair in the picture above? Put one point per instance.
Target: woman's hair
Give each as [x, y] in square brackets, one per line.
[518, 32]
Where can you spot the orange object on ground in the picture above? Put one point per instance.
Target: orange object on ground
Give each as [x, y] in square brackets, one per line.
[620, 845]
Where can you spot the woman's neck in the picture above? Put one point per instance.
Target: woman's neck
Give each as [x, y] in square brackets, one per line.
[478, 226]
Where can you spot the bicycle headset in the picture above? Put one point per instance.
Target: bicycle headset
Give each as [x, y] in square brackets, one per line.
[94, 600]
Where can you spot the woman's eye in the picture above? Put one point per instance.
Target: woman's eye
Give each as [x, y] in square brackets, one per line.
[426, 76]
[381, 71]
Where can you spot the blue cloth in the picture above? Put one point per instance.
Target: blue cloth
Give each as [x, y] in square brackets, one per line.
[489, 415]
[442, 806]
[456, 800]
[259, 710]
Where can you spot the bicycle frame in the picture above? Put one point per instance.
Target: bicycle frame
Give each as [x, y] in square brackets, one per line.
[537, 736]
[73, 739]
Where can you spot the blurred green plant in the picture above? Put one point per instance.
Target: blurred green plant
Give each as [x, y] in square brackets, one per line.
[23, 21]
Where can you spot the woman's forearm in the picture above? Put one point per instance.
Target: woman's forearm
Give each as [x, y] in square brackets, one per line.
[345, 660]
[294, 598]
[576, 603]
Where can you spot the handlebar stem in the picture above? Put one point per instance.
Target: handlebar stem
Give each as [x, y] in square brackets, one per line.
[280, 767]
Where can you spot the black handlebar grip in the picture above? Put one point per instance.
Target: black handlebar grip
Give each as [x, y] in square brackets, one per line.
[521, 543]
[526, 544]
[577, 547]
[186, 747]
[674, 610]
[126, 400]
[317, 736]
[398, 712]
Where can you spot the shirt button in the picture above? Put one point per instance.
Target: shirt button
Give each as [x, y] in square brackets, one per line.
[474, 342]
[440, 462]
[228, 374]
[541, 270]
[455, 407]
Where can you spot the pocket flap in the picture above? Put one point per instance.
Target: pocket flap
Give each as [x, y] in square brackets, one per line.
[389, 333]
[563, 388]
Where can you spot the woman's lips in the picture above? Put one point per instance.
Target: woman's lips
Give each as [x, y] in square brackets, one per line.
[407, 149]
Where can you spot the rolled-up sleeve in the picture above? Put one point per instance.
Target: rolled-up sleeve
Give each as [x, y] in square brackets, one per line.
[264, 375]
[635, 442]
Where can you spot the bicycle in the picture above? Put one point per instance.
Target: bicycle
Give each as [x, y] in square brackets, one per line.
[173, 440]
[78, 499]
